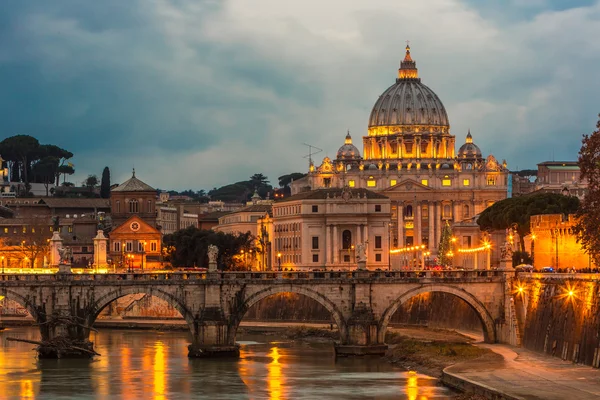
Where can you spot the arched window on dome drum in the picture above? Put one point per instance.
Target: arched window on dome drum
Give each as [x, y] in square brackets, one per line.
[408, 211]
[133, 206]
[346, 239]
[469, 166]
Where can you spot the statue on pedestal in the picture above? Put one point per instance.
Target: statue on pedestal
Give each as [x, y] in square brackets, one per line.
[65, 254]
[213, 252]
[361, 252]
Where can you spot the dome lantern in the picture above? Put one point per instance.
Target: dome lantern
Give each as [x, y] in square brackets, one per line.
[408, 67]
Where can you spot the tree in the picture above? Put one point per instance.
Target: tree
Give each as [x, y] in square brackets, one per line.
[588, 222]
[286, 180]
[189, 247]
[515, 212]
[65, 170]
[445, 246]
[91, 181]
[45, 169]
[105, 184]
[20, 150]
[258, 180]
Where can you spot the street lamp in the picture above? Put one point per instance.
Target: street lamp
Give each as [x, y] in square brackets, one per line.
[143, 253]
[389, 253]
[279, 260]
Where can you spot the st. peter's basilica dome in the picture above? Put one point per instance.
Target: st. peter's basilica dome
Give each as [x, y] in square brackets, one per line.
[408, 104]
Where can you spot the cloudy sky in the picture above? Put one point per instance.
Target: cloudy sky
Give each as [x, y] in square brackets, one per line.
[199, 93]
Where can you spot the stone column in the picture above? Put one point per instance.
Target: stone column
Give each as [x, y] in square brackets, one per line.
[417, 228]
[431, 231]
[100, 242]
[455, 211]
[438, 222]
[336, 246]
[400, 224]
[328, 244]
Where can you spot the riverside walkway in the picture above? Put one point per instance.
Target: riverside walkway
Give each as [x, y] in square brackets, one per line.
[523, 374]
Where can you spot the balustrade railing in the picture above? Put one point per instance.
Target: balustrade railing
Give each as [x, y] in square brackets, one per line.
[266, 275]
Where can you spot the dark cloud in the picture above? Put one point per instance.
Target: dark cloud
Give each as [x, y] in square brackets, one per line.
[201, 93]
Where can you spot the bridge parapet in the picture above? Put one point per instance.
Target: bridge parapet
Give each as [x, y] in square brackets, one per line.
[560, 276]
[177, 277]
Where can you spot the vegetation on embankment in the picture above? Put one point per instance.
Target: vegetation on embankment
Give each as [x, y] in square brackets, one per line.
[431, 356]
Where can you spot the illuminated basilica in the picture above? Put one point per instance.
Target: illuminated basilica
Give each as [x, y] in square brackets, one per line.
[409, 156]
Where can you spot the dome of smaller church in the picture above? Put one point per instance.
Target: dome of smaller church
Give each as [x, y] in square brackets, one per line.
[348, 151]
[469, 149]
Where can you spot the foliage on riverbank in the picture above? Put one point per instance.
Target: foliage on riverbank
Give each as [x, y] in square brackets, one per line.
[305, 332]
[430, 357]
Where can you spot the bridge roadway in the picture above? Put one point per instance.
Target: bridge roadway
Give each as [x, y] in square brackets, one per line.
[214, 303]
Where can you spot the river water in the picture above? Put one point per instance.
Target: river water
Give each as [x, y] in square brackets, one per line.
[154, 365]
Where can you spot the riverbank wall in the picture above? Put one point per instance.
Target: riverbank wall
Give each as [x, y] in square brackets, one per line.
[562, 318]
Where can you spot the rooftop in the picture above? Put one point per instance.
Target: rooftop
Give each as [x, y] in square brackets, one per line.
[133, 184]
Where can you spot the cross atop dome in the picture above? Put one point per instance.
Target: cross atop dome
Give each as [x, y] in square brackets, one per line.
[408, 67]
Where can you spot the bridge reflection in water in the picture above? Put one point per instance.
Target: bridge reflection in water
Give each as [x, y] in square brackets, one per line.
[153, 365]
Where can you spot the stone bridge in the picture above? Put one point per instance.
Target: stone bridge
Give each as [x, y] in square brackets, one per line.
[213, 304]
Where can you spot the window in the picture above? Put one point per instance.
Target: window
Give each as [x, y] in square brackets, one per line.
[467, 241]
[425, 212]
[408, 212]
[153, 246]
[315, 243]
[393, 182]
[466, 182]
[315, 258]
[446, 182]
[118, 206]
[24, 229]
[378, 257]
[149, 210]
[351, 184]
[447, 211]
[129, 246]
[346, 239]
[424, 182]
[327, 182]
[315, 208]
[84, 249]
[371, 183]
[465, 211]
[5, 230]
[116, 247]
[140, 246]
[491, 181]
[71, 229]
[133, 206]
[32, 230]
[378, 242]
[377, 207]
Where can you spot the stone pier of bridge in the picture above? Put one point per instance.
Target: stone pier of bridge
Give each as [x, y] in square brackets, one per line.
[214, 303]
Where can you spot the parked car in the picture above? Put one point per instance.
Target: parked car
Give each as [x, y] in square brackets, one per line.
[524, 268]
[547, 270]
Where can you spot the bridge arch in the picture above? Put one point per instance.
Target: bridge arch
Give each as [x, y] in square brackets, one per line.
[24, 302]
[99, 304]
[487, 322]
[273, 290]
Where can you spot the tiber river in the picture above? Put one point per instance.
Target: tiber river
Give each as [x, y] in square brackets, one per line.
[154, 365]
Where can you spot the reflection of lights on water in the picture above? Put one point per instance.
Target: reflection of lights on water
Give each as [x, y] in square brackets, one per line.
[275, 377]
[26, 389]
[412, 386]
[159, 371]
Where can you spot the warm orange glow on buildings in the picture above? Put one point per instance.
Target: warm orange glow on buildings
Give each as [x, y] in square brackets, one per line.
[554, 244]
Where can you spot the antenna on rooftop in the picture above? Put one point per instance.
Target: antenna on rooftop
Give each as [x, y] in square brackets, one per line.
[312, 150]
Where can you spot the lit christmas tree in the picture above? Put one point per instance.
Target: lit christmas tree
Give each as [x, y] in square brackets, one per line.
[445, 248]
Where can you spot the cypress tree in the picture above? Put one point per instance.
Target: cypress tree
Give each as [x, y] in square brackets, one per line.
[105, 184]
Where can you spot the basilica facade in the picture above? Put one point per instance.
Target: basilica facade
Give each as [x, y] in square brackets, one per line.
[409, 156]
